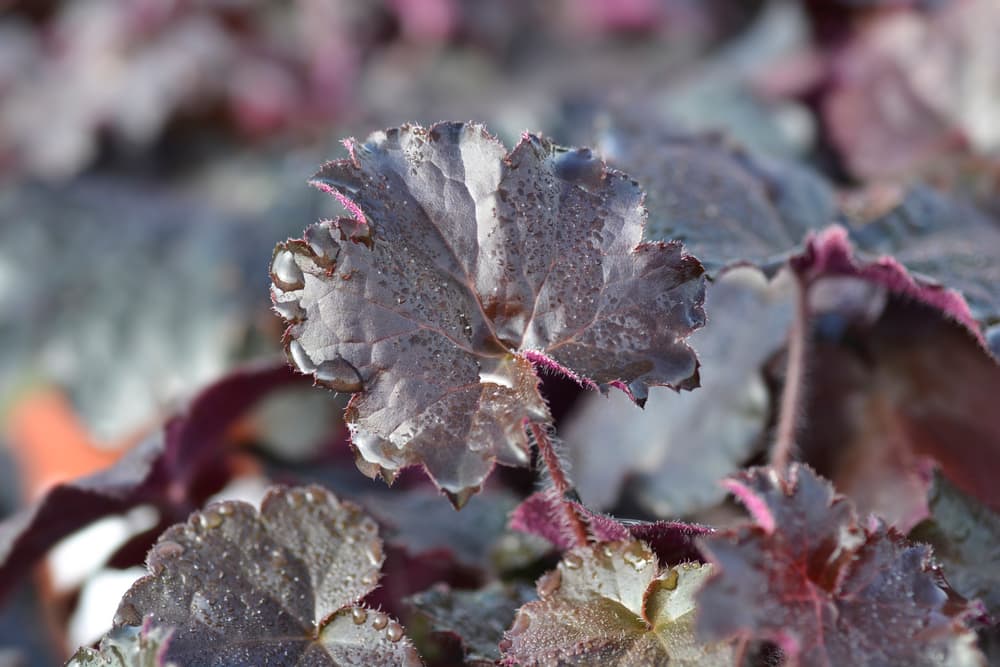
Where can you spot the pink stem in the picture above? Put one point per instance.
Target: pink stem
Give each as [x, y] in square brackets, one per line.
[792, 393]
[559, 481]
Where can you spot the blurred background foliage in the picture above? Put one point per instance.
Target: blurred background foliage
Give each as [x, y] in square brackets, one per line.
[152, 152]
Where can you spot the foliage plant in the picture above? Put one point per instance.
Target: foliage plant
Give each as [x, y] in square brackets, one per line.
[463, 279]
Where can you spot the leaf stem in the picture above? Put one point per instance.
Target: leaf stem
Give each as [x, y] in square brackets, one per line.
[794, 388]
[559, 481]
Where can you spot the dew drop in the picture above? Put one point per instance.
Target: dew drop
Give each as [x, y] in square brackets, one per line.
[579, 166]
[520, 624]
[394, 632]
[637, 557]
[211, 519]
[670, 581]
[573, 561]
[379, 621]
[312, 497]
[549, 583]
[291, 310]
[338, 374]
[224, 509]
[374, 552]
[359, 615]
[369, 578]
[300, 358]
[296, 498]
[286, 272]
[322, 244]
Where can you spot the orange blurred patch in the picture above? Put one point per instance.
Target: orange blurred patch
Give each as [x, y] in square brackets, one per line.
[51, 445]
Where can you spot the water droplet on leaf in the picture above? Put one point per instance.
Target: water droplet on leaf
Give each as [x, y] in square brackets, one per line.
[359, 615]
[285, 271]
[339, 375]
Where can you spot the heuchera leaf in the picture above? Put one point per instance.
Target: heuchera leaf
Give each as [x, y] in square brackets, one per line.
[127, 647]
[477, 618]
[891, 399]
[937, 91]
[675, 452]
[830, 253]
[837, 592]
[462, 267]
[945, 238]
[611, 604]
[544, 514]
[966, 540]
[281, 586]
[419, 522]
[155, 471]
[725, 205]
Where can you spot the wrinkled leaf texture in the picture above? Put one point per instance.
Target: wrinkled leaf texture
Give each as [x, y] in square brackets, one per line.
[612, 604]
[282, 586]
[463, 266]
[828, 590]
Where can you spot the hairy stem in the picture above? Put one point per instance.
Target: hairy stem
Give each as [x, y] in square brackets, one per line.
[559, 481]
[791, 394]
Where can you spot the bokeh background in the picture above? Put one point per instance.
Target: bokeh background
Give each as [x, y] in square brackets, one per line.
[152, 152]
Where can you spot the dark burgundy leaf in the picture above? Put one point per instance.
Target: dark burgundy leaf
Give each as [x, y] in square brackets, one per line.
[610, 604]
[830, 254]
[477, 618]
[463, 266]
[543, 514]
[966, 540]
[837, 592]
[157, 471]
[723, 204]
[674, 453]
[945, 238]
[281, 586]
[890, 399]
[909, 89]
[419, 522]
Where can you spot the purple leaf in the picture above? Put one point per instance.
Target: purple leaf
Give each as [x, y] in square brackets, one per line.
[891, 399]
[611, 604]
[543, 514]
[477, 618]
[837, 592]
[966, 540]
[830, 254]
[725, 205]
[157, 471]
[419, 522]
[674, 453]
[945, 238]
[936, 92]
[281, 586]
[469, 264]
